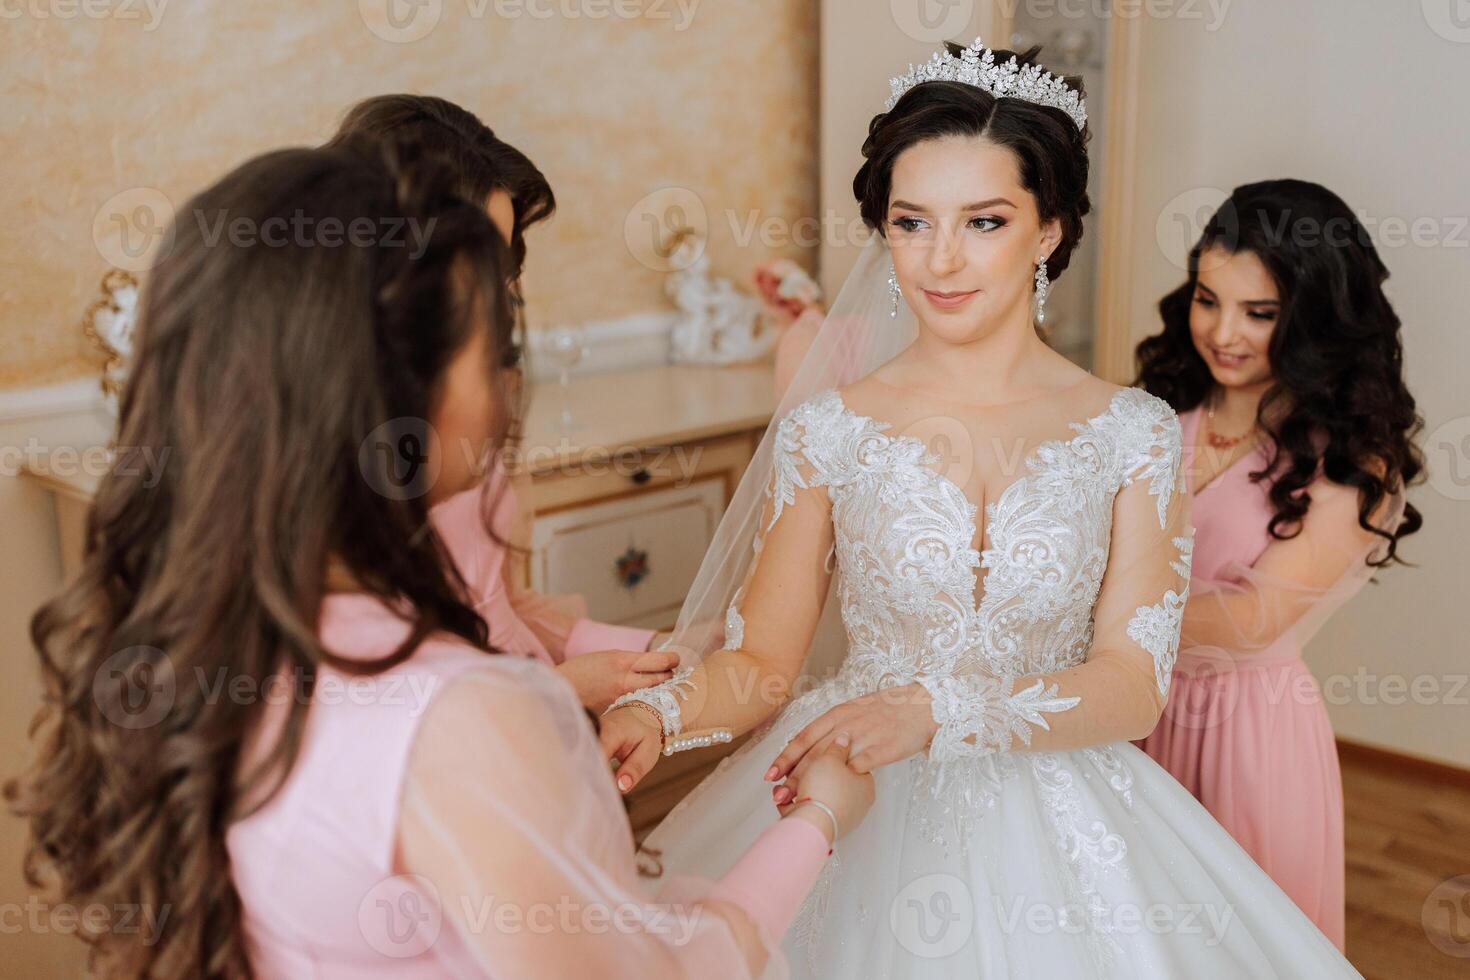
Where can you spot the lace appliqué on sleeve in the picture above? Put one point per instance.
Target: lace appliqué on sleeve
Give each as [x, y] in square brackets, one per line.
[977, 715]
[1156, 628]
[663, 698]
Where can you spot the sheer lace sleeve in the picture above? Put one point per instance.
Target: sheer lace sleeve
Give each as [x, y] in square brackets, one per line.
[1119, 692]
[771, 621]
[509, 812]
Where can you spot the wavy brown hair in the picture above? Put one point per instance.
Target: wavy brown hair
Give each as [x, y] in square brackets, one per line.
[263, 368]
[1337, 397]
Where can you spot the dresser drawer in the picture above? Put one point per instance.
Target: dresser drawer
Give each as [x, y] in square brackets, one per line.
[633, 557]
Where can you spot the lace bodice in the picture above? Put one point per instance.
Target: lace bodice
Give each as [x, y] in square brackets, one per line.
[904, 532]
[1083, 572]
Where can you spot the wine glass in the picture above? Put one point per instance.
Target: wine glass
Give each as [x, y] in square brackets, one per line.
[565, 348]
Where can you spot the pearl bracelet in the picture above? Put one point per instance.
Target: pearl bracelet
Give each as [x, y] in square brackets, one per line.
[717, 737]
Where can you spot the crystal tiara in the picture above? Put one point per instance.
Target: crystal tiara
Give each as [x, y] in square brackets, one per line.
[976, 66]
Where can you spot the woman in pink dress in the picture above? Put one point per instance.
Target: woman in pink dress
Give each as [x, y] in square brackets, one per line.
[600, 660]
[1281, 355]
[275, 731]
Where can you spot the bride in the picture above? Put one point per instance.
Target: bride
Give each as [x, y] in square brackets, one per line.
[1006, 546]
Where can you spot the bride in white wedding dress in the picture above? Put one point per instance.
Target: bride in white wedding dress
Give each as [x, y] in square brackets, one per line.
[1005, 544]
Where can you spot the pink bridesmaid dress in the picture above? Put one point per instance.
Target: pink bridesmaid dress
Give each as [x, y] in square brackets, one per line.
[1245, 729]
[429, 799]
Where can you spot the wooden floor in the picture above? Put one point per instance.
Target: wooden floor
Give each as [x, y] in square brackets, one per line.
[1408, 832]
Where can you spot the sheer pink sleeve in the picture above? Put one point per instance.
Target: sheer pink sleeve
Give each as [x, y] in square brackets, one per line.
[509, 810]
[561, 623]
[1267, 611]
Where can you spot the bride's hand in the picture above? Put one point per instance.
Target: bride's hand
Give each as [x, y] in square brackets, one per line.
[630, 735]
[885, 727]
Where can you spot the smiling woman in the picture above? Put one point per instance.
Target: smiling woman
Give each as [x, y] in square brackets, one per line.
[1282, 355]
[997, 546]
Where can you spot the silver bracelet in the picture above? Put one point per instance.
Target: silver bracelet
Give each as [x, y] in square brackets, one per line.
[828, 811]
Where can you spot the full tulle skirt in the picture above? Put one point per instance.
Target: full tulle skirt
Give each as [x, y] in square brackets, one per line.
[1088, 863]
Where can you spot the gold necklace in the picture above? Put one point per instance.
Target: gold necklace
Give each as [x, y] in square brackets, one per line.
[1216, 440]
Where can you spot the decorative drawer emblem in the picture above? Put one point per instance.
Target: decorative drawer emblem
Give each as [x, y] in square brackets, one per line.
[632, 567]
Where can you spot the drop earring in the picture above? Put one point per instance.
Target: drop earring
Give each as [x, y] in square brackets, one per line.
[893, 291]
[1041, 283]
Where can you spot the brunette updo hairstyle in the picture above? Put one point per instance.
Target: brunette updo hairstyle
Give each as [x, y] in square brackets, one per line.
[1050, 150]
[481, 161]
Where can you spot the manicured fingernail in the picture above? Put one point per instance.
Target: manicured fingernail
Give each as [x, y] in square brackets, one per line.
[624, 783]
[771, 773]
[844, 739]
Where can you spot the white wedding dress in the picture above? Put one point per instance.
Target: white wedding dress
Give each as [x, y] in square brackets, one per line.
[988, 858]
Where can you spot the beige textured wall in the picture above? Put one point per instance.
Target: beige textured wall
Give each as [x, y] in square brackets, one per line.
[715, 97]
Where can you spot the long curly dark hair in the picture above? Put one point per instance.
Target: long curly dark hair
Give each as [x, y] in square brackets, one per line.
[263, 369]
[1337, 397]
